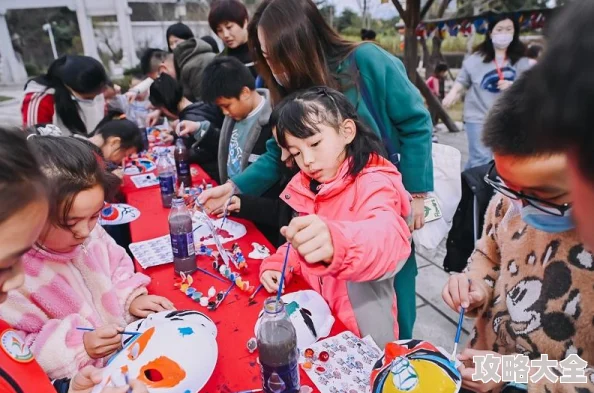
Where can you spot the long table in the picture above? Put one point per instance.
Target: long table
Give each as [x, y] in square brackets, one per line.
[236, 368]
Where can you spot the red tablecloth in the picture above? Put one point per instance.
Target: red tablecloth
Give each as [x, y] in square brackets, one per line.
[235, 318]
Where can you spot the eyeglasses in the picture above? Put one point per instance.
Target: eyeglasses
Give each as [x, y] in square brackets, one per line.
[543, 206]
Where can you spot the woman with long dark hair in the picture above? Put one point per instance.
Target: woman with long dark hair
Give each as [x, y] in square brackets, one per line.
[69, 95]
[294, 49]
[495, 64]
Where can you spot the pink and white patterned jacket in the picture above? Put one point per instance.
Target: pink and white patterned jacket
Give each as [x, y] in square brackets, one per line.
[90, 287]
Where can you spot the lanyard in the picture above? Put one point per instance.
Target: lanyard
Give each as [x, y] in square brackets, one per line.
[499, 72]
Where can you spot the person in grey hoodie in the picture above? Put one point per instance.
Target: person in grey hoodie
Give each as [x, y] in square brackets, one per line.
[191, 58]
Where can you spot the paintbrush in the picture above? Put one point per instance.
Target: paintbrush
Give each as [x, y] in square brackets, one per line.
[126, 378]
[458, 331]
[211, 274]
[124, 332]
[282, 278]
[218, 303]
[226, 212]
[253, 295]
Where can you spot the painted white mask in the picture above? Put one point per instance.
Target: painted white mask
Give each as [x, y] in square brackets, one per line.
[176, 352]
[309, 313]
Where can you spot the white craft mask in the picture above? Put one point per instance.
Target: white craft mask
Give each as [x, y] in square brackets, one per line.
[309, 313]
[176, 352]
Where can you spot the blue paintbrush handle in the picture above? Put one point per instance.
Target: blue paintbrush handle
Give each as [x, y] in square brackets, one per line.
[92, 330]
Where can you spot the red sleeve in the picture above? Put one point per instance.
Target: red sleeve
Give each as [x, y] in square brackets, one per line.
[38, 108]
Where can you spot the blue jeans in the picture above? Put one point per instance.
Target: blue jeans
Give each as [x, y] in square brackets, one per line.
[478, 153]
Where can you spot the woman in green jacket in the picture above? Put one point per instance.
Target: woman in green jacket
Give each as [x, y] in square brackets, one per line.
[294, 48]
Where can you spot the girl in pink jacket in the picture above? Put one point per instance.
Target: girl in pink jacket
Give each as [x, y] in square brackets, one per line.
[75, 275]
[350, 236]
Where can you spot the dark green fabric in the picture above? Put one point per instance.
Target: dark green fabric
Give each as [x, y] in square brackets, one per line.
[399, 104]
[405, 285]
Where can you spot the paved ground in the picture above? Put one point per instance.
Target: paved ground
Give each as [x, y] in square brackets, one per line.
[435, 321]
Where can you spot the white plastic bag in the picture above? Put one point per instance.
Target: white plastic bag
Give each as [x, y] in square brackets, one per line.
[447, 190]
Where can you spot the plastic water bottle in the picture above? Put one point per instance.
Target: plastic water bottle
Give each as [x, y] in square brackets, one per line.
[182, 238]
[182, 163]
[277, 346]
[166, 173]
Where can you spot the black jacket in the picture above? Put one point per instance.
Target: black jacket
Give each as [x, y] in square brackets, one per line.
[476, 194]
[205, 154]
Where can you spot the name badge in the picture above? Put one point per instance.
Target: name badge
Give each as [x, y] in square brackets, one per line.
[15, 346]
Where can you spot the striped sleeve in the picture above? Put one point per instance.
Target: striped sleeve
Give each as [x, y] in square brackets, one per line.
[38, 108]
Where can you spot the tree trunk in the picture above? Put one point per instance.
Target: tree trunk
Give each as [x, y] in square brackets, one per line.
[435, 105]
[411, 46]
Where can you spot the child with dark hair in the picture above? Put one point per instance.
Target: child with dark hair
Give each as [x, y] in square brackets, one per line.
[23, 191]
[176, 34]
[350, 236]
[117, 137]
[166, 95]
[565, 88]
[529, 279]
[230, 85]
[69, 95]
[368, 35]
[150, 61]
[75, 274]
[229, 20]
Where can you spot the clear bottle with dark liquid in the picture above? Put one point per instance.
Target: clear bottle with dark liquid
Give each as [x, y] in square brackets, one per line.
[182, 163]
[182, 238]
[166, 173]
[277, 347]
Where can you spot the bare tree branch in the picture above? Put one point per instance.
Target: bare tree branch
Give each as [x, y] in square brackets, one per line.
[426, 8]
[401, 10]
[442, 8]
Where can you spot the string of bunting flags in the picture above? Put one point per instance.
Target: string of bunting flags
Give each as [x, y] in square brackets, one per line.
[529, 20]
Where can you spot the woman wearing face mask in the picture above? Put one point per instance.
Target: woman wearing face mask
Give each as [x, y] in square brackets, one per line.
[491, 69]
[176, 34]
[69, 95]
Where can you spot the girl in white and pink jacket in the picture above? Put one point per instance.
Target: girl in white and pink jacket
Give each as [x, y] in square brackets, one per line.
[76, 275]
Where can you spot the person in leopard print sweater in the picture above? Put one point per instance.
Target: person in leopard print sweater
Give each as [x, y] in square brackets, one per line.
[530, 280]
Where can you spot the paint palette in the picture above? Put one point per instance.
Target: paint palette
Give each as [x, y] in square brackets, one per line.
[117, 214]
[139, 165]
[231, 231]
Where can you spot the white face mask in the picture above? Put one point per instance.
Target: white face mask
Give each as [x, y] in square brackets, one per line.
[502, 40]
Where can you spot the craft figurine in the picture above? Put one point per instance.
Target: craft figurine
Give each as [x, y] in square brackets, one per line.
[417, 367]
[237, 257]
[159, 356]
[311, 316]
[259, 252]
